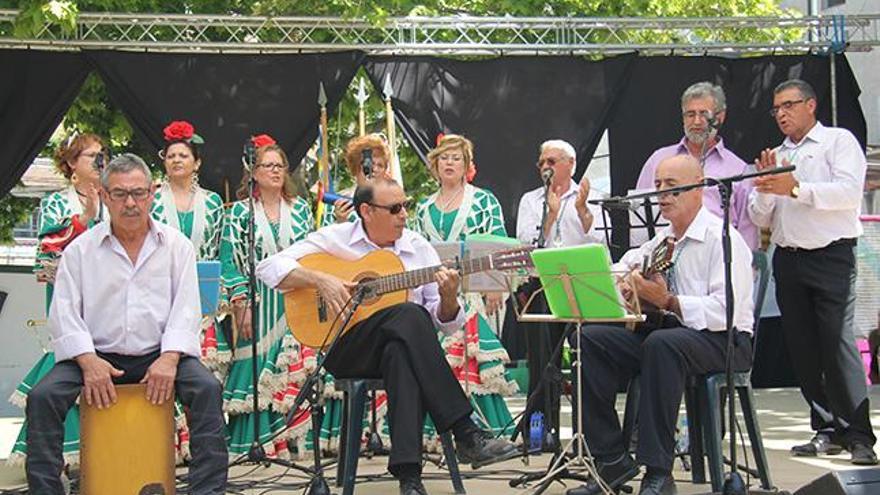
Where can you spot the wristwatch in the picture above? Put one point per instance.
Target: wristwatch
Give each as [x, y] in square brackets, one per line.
[795, 191]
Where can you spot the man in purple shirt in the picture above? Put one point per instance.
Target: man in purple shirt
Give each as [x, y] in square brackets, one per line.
[703, 104]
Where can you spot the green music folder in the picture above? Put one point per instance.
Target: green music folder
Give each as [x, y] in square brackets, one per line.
[592, 282]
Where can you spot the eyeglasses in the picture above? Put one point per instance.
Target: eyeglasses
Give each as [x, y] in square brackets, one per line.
[395, 208]
[273, 166]
[785, 105]
[550, 162]
[123, 194]
[693, 114]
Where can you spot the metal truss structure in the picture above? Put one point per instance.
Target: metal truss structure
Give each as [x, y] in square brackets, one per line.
[458, 35]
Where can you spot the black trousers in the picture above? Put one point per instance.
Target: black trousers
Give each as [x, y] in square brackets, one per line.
[197, 388]
[815, 290]
[541, 340]
[399, 344]
[664, 358]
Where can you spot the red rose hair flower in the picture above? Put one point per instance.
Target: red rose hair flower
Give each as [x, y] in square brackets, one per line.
[179, 130]
[262, 140]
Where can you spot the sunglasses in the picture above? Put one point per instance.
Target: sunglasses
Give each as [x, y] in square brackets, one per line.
[395, 208]
[550, 162]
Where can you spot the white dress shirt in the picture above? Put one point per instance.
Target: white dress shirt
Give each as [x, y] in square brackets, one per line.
[698, 273]
[349, 241]
[103, 302]
[567, 230]
[830, 167]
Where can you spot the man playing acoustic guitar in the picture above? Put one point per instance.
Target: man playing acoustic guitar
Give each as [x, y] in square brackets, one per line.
[693, 290]
[398, 344]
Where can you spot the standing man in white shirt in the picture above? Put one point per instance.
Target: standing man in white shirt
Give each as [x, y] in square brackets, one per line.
[694, 342]
[126, 310]
[813, 215]
[398, 344]
[570, 222]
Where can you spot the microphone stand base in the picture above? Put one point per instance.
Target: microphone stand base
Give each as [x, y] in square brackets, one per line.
[318, 486]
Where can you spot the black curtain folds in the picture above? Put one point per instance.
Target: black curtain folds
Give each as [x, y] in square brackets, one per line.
[506, 106]
[648, 114]
[228, 98]
[36, 89]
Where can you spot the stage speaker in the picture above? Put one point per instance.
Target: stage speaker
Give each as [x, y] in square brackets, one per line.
[851, 482]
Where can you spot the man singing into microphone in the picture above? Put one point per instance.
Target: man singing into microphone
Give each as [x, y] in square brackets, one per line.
[703, 110]
[569, 221]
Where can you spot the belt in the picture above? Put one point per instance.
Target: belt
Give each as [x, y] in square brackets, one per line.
[849, 242]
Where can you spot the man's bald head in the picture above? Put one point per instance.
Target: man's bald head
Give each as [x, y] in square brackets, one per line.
[681, 208]
[685, 167]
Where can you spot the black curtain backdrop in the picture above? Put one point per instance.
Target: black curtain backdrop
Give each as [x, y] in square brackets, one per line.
[648, 113]
[36, 89]
[507, 107]
[228, 98]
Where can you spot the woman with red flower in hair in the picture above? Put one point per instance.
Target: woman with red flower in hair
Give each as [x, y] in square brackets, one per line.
[198, 213]
[64, 215]
[453, 213]
[280, 219]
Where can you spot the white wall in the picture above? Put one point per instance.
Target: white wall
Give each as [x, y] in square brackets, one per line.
[19, 344]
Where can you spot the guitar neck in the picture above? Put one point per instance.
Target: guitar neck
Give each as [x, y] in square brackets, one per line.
[422, 276]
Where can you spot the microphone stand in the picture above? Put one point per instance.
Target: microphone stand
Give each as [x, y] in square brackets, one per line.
[256, 453]
[541, 242]
[733, 482]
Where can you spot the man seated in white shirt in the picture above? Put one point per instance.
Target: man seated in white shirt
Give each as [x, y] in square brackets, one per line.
[126, 310]
[398, 344]
[693, 290]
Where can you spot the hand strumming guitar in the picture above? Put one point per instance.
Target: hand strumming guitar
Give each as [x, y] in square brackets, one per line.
[335, 292]
[654, 291]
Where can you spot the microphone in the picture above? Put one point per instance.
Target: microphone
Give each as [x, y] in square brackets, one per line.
[99, 161]
[711, 120]
[367, 163]
[247, 157]
[330, 198]
[546, 175]
[614, 203]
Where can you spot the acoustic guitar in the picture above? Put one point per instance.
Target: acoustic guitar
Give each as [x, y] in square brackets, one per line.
[660, 262]
[381, 277]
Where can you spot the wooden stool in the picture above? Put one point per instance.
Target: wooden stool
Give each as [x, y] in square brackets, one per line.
[128, 448]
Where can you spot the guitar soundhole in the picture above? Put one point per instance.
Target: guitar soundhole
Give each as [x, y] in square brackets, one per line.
[366, 277]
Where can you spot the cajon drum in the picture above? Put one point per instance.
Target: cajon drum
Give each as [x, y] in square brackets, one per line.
[128, 448]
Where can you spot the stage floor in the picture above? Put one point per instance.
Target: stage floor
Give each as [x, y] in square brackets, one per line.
[783, 416]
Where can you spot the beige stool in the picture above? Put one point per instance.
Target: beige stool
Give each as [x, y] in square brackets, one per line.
[128, 448]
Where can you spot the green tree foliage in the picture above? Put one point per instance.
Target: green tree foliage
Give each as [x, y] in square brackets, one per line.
[93, 111]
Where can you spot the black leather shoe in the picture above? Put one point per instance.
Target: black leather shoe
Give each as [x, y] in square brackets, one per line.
[658, 484]
[482, 448]
[862, 454]
[615, 474]
[412, 486]
[821, 443]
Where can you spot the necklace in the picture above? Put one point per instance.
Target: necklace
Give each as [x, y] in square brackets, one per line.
[445, 211]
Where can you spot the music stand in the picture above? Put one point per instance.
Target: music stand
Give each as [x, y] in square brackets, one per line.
[475, 246]
[582, 276]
